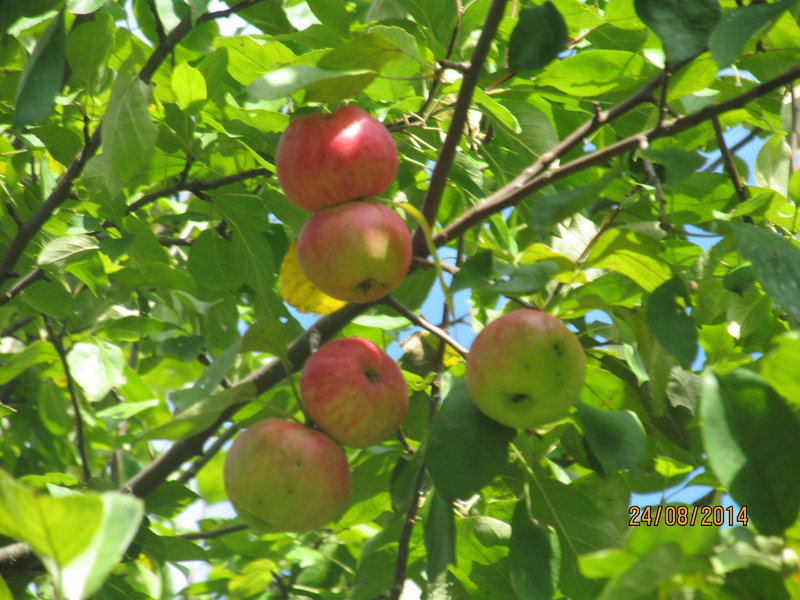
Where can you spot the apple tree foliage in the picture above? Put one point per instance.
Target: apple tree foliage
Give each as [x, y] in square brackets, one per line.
[579, 157]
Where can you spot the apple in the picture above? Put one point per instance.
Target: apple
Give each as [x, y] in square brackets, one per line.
[283, 476]
[354, 392]
[325, 159]
[526, 369]
[357, 251]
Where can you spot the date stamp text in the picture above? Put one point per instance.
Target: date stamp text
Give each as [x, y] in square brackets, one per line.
[705, 516]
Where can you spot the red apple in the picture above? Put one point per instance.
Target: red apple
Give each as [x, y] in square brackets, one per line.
[354, 392]
[283, 476]
[325, 159]
[357, 251]
[526, 369]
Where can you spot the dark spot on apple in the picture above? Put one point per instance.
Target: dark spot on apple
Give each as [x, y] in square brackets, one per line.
[365, 286]
[298, 462]
[558, 350]
[517, 398]
[372, 376]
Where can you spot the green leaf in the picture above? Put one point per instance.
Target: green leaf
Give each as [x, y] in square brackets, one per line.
[534, 557]
[616, 438]
[96, 368]
[214, 264]
[369, 51]
[539, 36]
[50, 298]
[466, 449]
[596, 72]
[88, 47]
[122, 514]
[62, 143]
[581, 528]
[287, 80]
[34, 353]
[331, 13]
[631, 254]
[440, 536]
[773, 164]
[41, 79]
[169, 499]
[752, 439]
[64, 250]
[674, 329]
[683, 26]
[255, 253]
[776, 261]
[129, 136]
[189, 87]
[777, 367]
[741, 24]
[645, 575]
[83, 7]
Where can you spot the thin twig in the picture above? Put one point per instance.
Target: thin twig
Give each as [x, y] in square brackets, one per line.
[655, 181]
[214, 533]
[15, 326]
[81, 439]
[793, 159]
[212, 450]
[196, 186]
[727, 159]
[753, 134]
[31, 277]
[420, 322]
[458, 120]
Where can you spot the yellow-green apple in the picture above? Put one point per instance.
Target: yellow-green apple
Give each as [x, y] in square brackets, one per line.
[526, 369]
[354, 392]
[325, 159]
[357, 251]
[283, 476]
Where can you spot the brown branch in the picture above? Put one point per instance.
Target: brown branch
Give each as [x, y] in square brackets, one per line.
[210, 535]
[793, 160]
[727, 159]
[753, 134]
[404, 542]
[31, 277]
[447, 154]
[81, 438]
[420, 322]
[535, 178]
[196, 186]
[203, 459]
[15, 326]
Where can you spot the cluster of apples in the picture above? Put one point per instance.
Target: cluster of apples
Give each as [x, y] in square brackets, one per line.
[283, 476]
[524, 370]
[352, 248]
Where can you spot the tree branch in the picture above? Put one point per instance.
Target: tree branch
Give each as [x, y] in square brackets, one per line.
[31, 277]
[196, 186]
[420, 322]
[727, 159]
[535, 177]
[81, 439]
[463, 102]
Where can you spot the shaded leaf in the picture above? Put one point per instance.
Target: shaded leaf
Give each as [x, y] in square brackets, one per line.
[41, 79]
[466, 449]
[616, 438]
[683, 26]
[674, 329]
[440, 536]
[752, 439]
[539, 36]
[534, 557]
[739, 25]
[776, 261]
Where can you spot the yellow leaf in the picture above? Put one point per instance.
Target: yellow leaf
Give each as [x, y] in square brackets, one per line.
[299, 292]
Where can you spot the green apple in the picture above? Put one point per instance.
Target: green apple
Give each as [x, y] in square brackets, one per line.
[526, 369]
[357, 251]
[283, 476]
[354, 392]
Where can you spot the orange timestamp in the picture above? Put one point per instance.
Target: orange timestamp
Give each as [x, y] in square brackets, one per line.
[705, 516]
